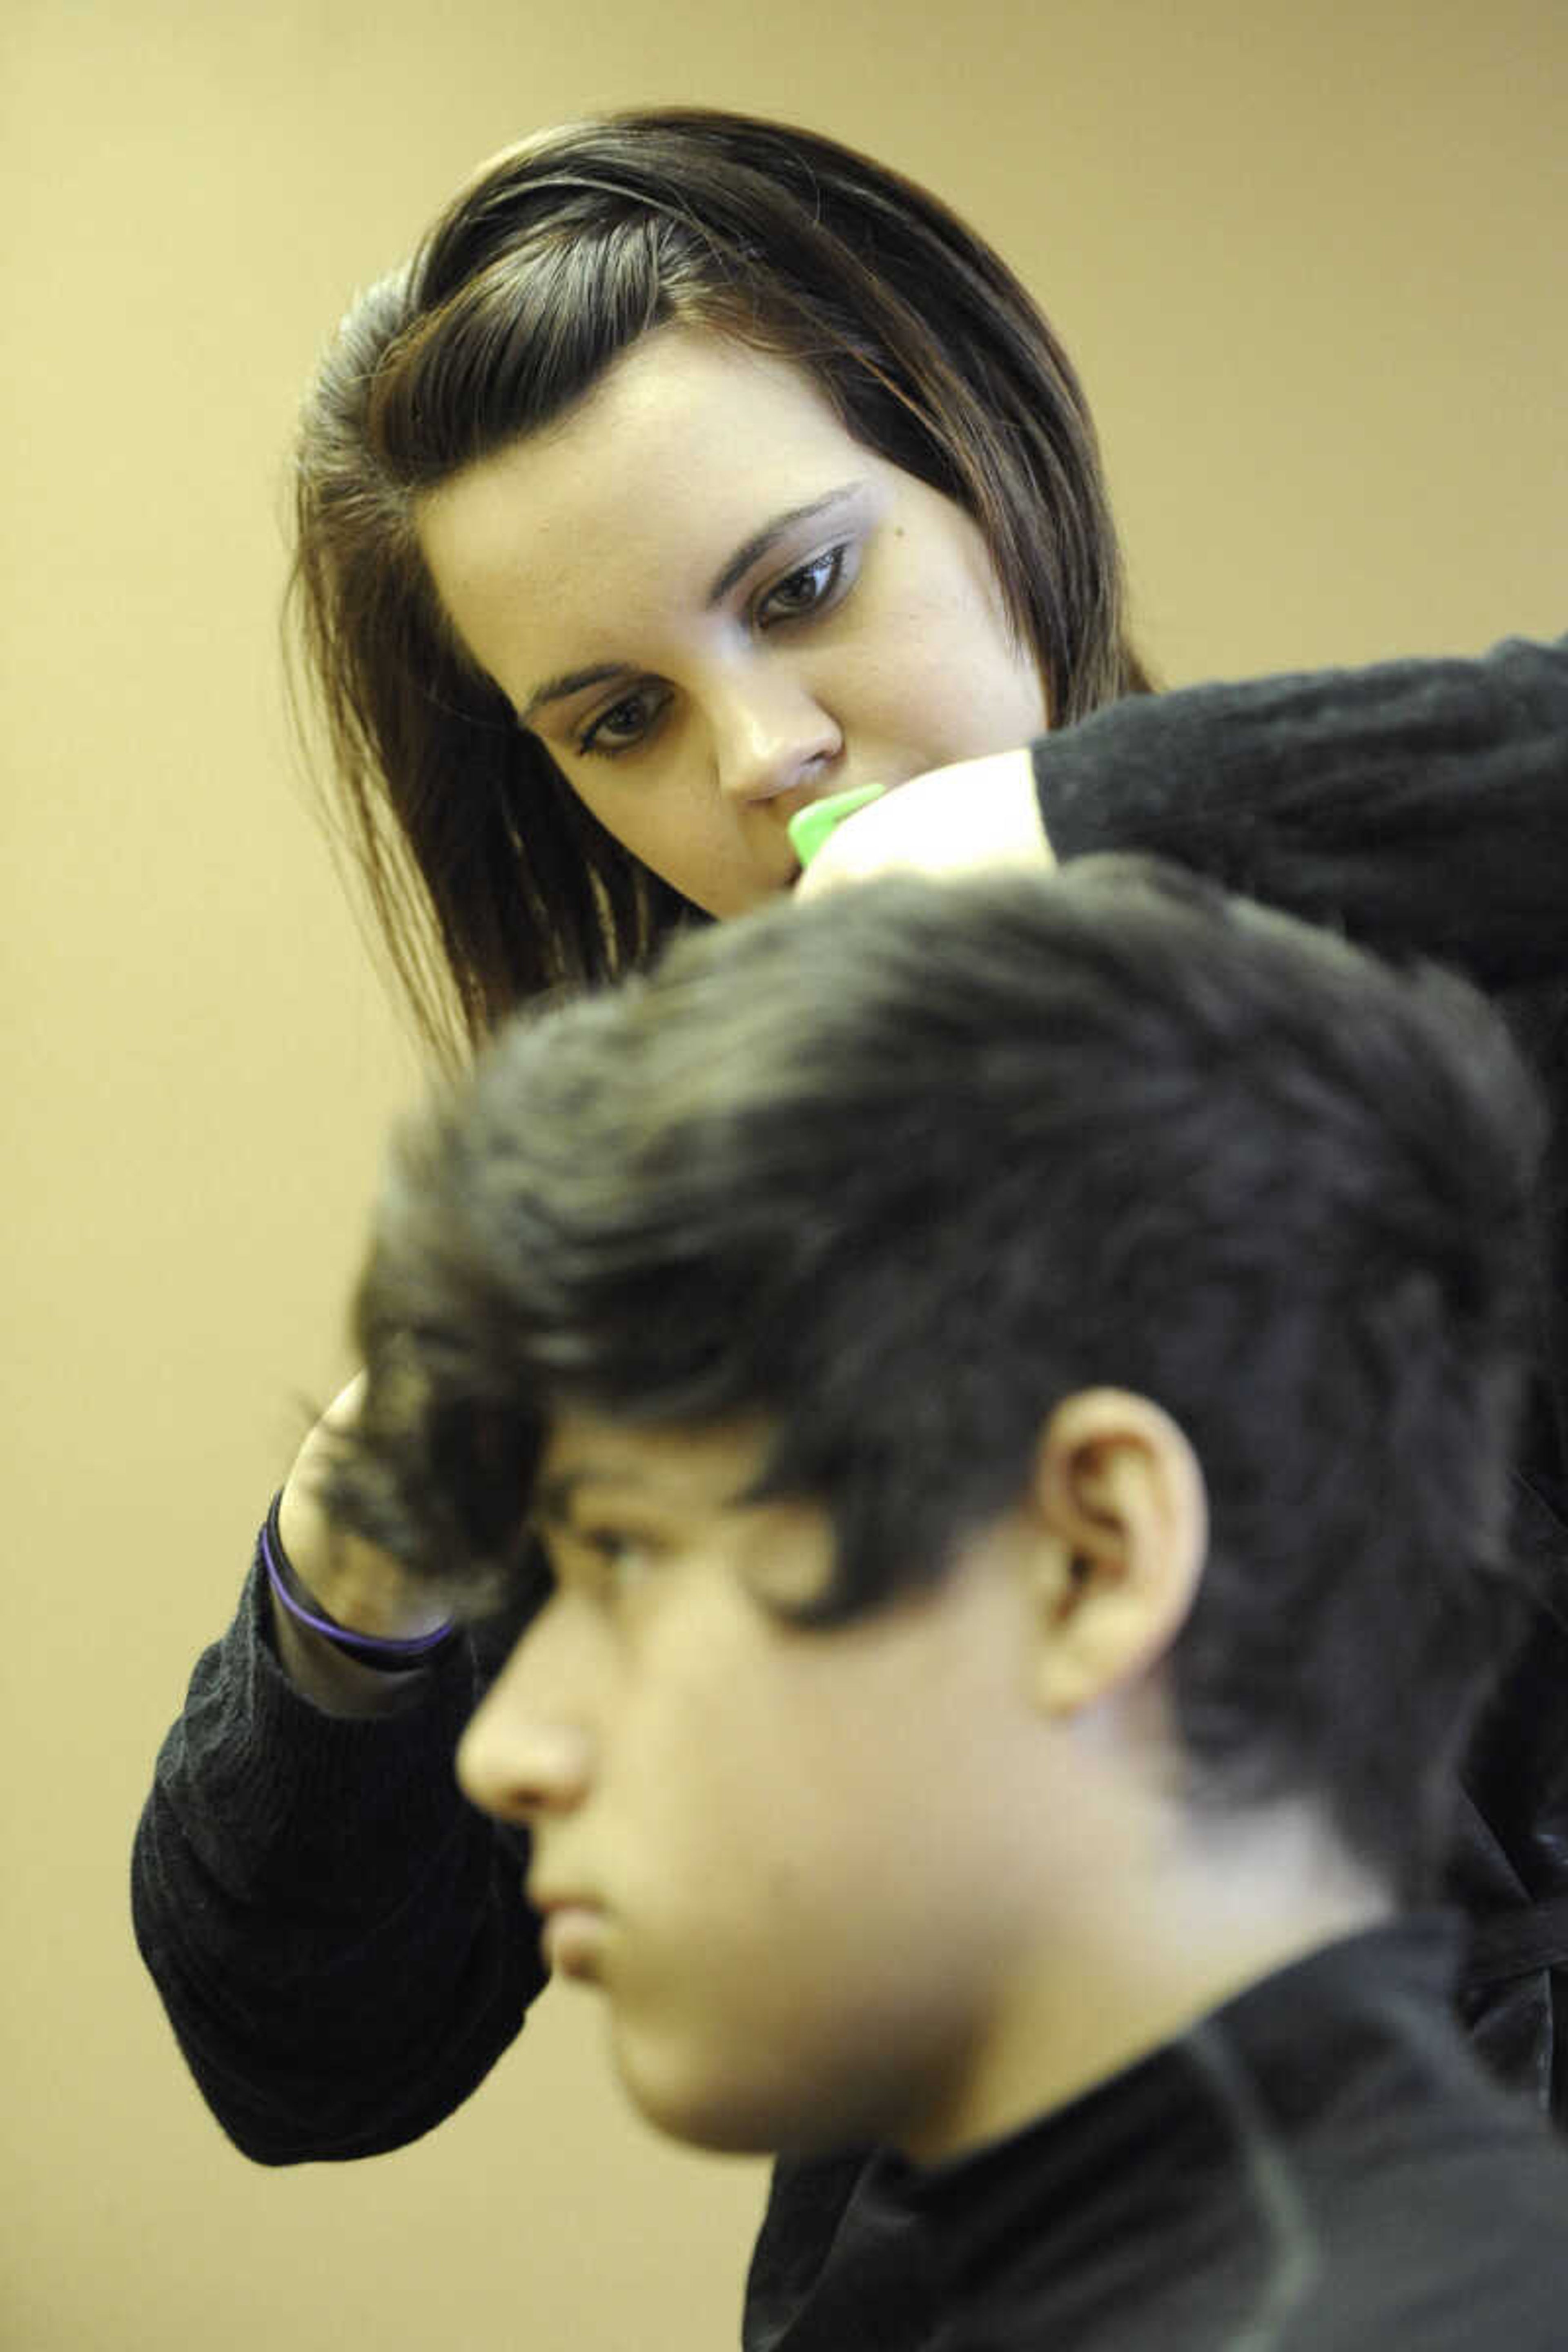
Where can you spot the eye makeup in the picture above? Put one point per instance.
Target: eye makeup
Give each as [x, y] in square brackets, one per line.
[833, 572]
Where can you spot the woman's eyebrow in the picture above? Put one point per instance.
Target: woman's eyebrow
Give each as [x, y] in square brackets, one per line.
[572, 681]
[759, 543]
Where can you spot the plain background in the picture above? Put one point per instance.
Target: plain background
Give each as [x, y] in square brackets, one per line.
[1311, 261]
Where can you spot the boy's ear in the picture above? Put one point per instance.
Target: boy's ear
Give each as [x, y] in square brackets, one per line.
[1118, 1519]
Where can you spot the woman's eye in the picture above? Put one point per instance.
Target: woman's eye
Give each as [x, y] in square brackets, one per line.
[623, 726]
[804, 590]
[627, 724]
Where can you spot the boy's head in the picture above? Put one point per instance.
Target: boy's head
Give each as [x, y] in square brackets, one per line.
[1007, 1373]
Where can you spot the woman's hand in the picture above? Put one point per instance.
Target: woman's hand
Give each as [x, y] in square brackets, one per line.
[953, 820]
[357, 1584]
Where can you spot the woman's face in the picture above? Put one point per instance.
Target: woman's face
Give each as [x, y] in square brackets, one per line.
[713, 606]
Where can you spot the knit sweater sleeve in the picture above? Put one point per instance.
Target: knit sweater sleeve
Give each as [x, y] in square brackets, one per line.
[1420, 805]
[339, 1940]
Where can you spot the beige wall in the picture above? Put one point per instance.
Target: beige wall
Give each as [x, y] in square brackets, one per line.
[1310, 260]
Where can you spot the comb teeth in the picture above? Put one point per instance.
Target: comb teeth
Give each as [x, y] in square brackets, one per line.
[809, 828]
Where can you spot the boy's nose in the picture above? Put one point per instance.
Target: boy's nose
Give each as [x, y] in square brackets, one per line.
[517, 1765]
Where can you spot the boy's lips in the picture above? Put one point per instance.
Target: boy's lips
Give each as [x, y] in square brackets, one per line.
[572, 1938]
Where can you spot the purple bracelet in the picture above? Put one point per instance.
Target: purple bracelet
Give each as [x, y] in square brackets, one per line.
[388, 1656]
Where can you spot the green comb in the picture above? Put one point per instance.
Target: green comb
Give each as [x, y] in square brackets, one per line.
[808, 828]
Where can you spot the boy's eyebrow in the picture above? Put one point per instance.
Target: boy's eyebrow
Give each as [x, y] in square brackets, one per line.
[553, 1497]
[551, 1500]
[572, 681]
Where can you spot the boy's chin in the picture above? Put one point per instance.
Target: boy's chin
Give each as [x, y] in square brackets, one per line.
[704, 2108]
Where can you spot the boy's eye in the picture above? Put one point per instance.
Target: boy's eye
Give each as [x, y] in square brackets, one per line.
[802, 591]
[606, 1563]
[619, 1554]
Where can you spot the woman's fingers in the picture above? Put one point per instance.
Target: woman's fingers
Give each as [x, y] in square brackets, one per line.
[950, 821]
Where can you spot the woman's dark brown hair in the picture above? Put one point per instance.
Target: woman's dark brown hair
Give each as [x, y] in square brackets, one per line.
[488, 878]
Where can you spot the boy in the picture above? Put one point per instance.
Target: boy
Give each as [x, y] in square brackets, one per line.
[1011, 1382]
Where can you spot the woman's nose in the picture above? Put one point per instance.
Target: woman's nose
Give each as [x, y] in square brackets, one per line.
[772, 739]
[519, 1760]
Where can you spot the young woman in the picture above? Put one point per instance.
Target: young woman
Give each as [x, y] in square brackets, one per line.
[693, 469]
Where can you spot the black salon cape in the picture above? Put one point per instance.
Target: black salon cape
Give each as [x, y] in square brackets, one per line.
[341, 1944]
[1321, 2163]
